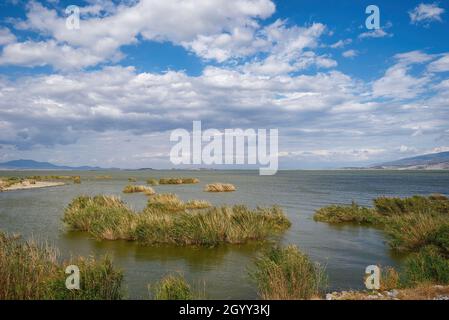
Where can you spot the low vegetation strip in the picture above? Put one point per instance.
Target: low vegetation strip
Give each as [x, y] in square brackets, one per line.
[109, 218]
[29, 271]
[178, 181]
[220, 187]
[139, 189]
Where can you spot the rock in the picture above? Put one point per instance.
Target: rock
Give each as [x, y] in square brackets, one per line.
[329, 296]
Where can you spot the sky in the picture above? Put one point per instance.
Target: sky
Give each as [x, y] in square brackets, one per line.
[110, 92]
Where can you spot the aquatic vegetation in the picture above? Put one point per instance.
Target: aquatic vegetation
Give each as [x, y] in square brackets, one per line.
[348, 214]
[170, 202]
[287, 274]
[428, 266]
[172, 287]
[178, 181]
[416, 204]
[137, 189]
[410, 223]
[104, 177]
[166, 202]
[132, 180]
[152, 182]
[220, 187]
[110, 219]
[31, 271]
[77, 180]
[413, 231]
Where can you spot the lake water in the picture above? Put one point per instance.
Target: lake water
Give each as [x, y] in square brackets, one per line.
[222, 272]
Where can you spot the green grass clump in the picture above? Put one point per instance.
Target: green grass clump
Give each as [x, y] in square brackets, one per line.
[179, 181]
[287, 274]
[173, 287]
[152, 182]
[29, 271]
[348, 214]
[428, 266]
[109, 218]
[137, 189]
[103, 217]
[416, 204]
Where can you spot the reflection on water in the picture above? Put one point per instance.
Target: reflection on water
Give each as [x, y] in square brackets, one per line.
[345, 250]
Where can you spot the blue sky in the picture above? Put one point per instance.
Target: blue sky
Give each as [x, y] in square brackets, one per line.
[110, 93]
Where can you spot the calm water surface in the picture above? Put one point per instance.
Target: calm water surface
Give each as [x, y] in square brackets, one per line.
[221, 272]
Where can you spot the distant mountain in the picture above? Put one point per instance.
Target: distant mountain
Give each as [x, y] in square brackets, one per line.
[433, 161]
[36, 165]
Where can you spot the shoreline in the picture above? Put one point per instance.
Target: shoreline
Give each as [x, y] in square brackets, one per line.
[26, 185]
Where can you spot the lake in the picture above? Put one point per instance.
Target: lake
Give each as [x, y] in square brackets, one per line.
[221, 272]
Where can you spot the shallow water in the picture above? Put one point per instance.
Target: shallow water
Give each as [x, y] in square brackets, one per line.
[221, 272]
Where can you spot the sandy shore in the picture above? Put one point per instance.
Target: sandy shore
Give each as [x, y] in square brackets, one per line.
[24, 185]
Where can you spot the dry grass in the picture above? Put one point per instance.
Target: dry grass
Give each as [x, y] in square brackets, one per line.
[137, 189]
[220, 187]
[424, 292]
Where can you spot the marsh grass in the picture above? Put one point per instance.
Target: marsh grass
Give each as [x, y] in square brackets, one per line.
[172, 287]
[410, 223]
[413, 231]
[31, 271]
[163, 181]
[139, 189]
[170, 202]
[166, 202]
[348, 214]
[428, 266]
[287, 274]
[74, 179]
[110, 219]
[152, 182]
[416, 204]
[220, 187]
